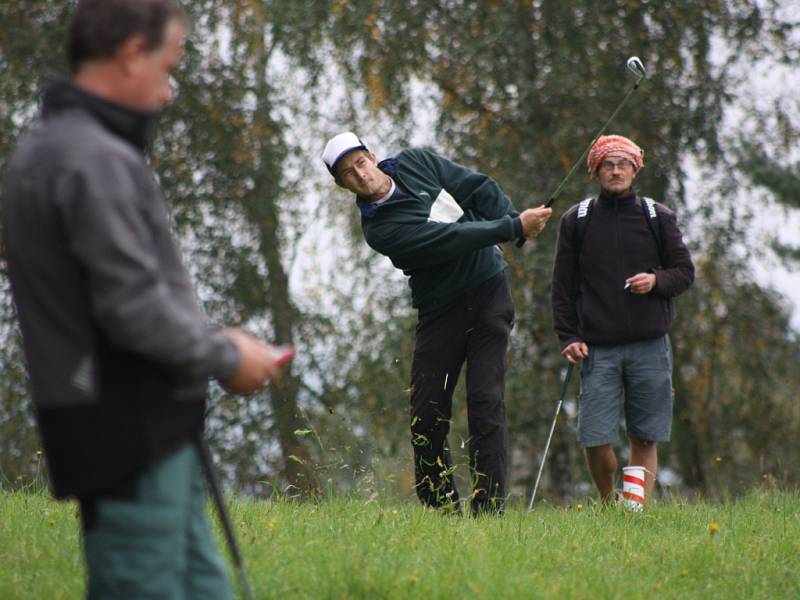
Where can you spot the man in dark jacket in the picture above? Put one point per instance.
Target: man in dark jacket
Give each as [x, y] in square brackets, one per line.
[119, 353]
[619, 262]
[440, 223]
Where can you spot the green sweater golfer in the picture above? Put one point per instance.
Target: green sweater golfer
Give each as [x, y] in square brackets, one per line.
[440, 223]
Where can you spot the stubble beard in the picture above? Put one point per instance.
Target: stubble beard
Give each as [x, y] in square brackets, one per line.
[616, 194]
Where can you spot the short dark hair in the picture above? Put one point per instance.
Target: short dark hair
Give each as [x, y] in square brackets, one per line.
[99, 27]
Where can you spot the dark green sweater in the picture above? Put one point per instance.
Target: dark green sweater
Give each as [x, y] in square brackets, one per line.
[441, 227]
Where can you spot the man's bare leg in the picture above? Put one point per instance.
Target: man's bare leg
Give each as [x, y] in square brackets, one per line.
[602, 463]
[644, 454]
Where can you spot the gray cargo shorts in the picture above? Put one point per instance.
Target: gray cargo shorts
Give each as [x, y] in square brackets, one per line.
[636, 377]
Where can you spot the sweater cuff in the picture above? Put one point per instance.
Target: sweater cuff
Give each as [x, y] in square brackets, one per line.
[516, 228]
[656, 288]
[226, 357]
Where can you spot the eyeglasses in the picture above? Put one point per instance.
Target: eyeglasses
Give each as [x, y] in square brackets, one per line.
[623, 165]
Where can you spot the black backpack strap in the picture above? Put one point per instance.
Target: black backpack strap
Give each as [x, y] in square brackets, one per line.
[584, 213]
[654, 224]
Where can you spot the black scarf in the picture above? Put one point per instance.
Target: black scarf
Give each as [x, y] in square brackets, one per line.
[127, 123]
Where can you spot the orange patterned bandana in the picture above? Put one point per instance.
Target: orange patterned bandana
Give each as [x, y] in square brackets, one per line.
[618, 144]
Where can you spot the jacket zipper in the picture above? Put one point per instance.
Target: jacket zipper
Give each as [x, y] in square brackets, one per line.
[625, 313]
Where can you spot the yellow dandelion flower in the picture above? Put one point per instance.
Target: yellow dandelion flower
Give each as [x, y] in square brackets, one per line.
[713, 527]
[718, 459]
[579, 506]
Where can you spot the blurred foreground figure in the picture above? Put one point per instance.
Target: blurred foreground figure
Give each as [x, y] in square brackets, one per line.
[440, 222]
[119, 353]
[620, 259]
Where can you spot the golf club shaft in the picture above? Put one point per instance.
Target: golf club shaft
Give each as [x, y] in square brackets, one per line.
[552, 198]
[564, 386]
[216, 494]
[541, 465]
[580, 160]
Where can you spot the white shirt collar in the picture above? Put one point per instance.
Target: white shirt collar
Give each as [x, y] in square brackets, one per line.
[388, 195]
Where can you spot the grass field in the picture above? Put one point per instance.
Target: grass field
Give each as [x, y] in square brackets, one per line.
[349, 548]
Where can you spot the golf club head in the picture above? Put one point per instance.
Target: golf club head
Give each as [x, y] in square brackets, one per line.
[636, 67]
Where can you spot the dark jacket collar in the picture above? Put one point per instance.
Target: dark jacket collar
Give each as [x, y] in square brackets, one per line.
[626, 200]
[129, 124]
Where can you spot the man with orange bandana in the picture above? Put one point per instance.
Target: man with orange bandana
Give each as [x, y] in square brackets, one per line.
[620, 259]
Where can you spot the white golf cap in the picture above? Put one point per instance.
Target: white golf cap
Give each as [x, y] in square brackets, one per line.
[340, 145]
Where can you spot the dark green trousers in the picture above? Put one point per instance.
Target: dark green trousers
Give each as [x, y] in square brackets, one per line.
[153, 540]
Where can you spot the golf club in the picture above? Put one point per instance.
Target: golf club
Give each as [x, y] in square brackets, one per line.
[564, 386]
[636, 67]
[216, 494]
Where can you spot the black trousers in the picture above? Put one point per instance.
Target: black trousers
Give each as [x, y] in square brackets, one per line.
[475, 330]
